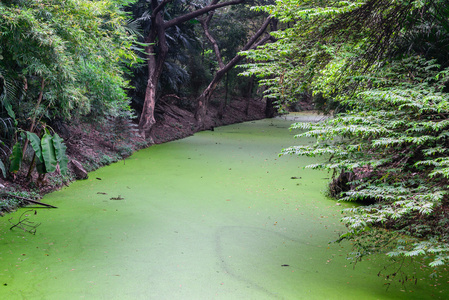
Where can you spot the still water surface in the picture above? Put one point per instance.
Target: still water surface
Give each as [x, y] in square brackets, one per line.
[213, 216]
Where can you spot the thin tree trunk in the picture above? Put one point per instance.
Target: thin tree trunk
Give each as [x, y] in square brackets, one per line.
[147, 119]
[248, 101]
[270, 110]
[203, 99]
[248, 94]
[33, 121]
[224, 102]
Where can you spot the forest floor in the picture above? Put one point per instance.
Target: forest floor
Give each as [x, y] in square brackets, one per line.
[92, 144]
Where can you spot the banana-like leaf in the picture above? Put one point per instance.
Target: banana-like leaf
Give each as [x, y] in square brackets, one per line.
[16, 158]
[2, 168]
[60, 148]
[48, 153]
[35, 142]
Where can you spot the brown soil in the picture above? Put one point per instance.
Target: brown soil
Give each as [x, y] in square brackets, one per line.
[95, 144]
[178, 123]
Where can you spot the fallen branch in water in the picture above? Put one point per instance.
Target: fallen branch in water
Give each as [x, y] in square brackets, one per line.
[29, 200]
[117, 198]
[25, 224]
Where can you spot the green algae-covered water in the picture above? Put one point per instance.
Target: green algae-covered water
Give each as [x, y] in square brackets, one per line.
[214, 216]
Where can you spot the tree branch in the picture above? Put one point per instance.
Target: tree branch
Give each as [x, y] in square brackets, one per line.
[250, 45]
[261, 30]
[205, 24]
[263, 41]
[200, 12]
[157, 7]
[234, 61]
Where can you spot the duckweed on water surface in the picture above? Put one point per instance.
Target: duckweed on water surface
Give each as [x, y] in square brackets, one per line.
[214, 216]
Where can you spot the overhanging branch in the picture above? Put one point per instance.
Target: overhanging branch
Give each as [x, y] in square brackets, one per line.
[199, 12]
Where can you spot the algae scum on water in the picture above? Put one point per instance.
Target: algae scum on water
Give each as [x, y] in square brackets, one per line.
[214, 216]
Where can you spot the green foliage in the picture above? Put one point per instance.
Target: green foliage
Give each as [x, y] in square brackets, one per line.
[7, 130]
[60, 150]
[396, 138]
[390, 131]
[16, 158]
[230, 32]
[10, 91]
[182, 47]
[8, 202]
[106, 160]
[50, 151]
[59, 59]
[51, 46]
[190, 60]
[287, 66]
[35, 142]
[3, 169]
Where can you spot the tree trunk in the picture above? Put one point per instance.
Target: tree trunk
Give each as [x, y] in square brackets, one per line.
[147, 119]
[155, 66]
[270, 110]
[203, 99]
[224, 102]
[156, 60]
[248, 94]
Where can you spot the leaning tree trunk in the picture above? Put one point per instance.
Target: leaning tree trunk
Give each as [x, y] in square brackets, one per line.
[147, 119]
[203, 99]
[155, 66]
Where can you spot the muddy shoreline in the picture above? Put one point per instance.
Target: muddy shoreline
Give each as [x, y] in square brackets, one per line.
[92, 144]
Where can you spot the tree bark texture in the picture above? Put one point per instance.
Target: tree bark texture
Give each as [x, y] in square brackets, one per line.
[155, 66]
[156, 60]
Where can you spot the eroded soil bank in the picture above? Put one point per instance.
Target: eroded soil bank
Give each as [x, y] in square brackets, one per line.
[214, 216]
[95, 143]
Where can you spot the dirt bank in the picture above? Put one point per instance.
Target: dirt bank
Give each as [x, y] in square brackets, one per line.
[93, 144]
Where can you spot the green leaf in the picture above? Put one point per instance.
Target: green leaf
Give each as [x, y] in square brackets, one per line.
[48, 153]
[2, 168]
[10, 111]
[16, 158]
[35, 142]
[60, 149]
[193, 21]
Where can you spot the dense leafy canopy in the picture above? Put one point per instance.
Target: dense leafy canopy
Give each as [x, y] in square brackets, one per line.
[190, 61]
[60, 59]
[182, 47]
[382, 66]
[68, 51]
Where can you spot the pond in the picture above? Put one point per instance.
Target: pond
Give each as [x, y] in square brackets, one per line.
[214, 216]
